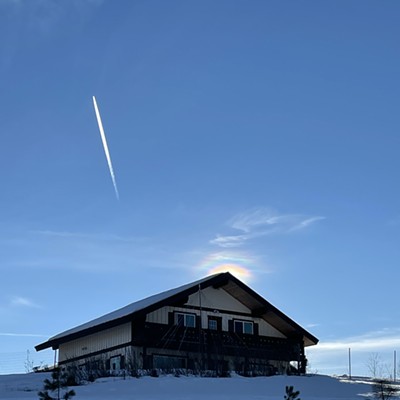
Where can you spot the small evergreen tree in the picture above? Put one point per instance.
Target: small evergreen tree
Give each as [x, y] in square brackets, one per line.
[384, 389]
[291, 394]
[54, 386]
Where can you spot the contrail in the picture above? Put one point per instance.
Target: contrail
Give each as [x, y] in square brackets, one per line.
[103, 139]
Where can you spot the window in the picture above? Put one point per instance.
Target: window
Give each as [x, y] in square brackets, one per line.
[243, 327]
[188, 320]
[212, 324]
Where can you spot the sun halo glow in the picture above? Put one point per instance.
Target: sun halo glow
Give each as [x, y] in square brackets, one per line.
[238, 271]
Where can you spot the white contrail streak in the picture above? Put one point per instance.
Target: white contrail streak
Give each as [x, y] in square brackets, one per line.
[104, 140]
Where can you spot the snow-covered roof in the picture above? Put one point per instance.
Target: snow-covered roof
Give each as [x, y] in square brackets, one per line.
[125, 311]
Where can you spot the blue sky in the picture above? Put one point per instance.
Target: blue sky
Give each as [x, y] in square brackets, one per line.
[258, 134]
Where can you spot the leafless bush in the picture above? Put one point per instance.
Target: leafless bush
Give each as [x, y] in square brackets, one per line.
[375, 366]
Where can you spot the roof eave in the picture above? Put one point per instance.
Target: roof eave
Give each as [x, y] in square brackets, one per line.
[308, 338]
[54, 343]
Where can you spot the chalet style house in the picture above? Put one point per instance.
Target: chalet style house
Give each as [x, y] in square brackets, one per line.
[215, 324]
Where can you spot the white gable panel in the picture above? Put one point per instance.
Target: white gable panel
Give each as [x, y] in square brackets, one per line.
[265, 329]
[218, 299]
[225, 306]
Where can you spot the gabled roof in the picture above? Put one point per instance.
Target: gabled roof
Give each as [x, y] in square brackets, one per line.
[257, 304]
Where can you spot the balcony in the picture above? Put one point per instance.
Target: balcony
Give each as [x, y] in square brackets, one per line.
[207, 341]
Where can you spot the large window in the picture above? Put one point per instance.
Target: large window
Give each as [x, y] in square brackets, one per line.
[243, 327]
[183, 319]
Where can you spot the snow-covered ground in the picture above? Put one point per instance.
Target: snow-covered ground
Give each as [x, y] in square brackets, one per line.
[26, 386]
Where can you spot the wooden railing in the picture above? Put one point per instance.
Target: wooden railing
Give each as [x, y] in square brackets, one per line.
[215, 342]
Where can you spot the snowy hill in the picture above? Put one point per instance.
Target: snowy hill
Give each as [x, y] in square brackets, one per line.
[25, 387]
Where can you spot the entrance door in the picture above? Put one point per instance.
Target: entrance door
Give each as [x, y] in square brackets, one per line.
[115, 364]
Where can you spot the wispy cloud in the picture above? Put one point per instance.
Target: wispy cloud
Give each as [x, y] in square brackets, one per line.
[23, 302]
[262, 221]
[395, 221]
[4, 2]
[50, 3]
[231, 241]
[88, 236]
[385, 339]
[309, 326]
[102, 252]
[46, 15]
[304, 223]
[12, 334]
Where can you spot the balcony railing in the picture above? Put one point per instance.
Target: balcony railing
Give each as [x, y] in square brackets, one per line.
[215, 342]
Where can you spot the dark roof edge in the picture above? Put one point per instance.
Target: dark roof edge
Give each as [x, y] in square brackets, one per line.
[118, 321]
[272, 308]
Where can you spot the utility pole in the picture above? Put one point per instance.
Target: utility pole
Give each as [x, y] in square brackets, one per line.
[201, 336]
[349, 362]
[394, 366]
